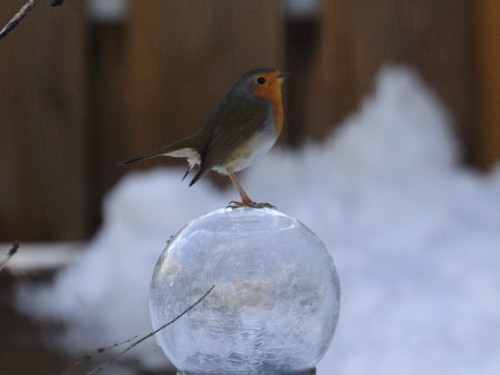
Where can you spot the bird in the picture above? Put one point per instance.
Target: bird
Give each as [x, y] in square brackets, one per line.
[241, 129]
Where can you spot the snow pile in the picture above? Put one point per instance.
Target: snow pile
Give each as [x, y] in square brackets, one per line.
[415, 237]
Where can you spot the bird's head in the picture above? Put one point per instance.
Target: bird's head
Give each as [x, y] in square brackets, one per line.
[264, 83]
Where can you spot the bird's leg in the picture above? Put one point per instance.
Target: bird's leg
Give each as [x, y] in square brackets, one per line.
[245, 199]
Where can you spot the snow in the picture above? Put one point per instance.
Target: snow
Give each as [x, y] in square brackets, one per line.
[415, 236]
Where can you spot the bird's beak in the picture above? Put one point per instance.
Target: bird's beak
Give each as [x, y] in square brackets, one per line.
[283, 76]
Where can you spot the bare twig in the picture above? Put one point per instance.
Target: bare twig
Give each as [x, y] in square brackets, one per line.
[87, 358]
[10, 254]
[23, 12]
[16, 20]
[115, 345]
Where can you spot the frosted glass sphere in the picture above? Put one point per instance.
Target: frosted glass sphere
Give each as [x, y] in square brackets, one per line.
[274, 306]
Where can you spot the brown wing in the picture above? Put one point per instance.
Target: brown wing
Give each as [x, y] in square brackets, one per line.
[233, 122]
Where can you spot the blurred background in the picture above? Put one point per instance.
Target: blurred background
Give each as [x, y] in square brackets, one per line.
[91, 82]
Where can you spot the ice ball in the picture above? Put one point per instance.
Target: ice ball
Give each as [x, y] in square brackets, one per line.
[275, 304]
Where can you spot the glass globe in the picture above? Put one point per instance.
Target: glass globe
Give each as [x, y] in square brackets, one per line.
[275, 304]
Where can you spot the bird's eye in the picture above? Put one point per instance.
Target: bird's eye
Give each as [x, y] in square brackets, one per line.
[261, 80]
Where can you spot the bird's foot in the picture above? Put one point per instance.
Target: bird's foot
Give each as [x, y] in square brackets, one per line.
[251, 204]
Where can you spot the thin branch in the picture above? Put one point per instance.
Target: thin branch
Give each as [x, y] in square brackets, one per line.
[16, 20]
[10, 254]
[115, 345]
[87, 358]
[23, 12]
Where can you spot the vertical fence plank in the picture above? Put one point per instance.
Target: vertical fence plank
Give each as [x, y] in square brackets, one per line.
[10, 199]
[42, 112]
[486, 135]
[106, 111]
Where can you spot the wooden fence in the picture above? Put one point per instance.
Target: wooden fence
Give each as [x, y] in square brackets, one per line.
[77, 95]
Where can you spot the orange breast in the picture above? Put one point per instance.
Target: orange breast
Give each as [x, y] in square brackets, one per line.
[278, 114]
[272, 92]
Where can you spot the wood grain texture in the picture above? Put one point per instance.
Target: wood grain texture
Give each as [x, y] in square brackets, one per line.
[42, 132]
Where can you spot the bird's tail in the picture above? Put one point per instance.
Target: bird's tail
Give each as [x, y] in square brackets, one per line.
[183, 148]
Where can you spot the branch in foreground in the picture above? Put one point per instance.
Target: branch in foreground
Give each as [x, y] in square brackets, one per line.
[16, 20]
[10, 254]
[23, 12]
[87, 358]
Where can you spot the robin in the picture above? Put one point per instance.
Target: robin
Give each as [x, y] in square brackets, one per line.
[240, 131]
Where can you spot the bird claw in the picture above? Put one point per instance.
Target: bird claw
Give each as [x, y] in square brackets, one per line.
[251, 204]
